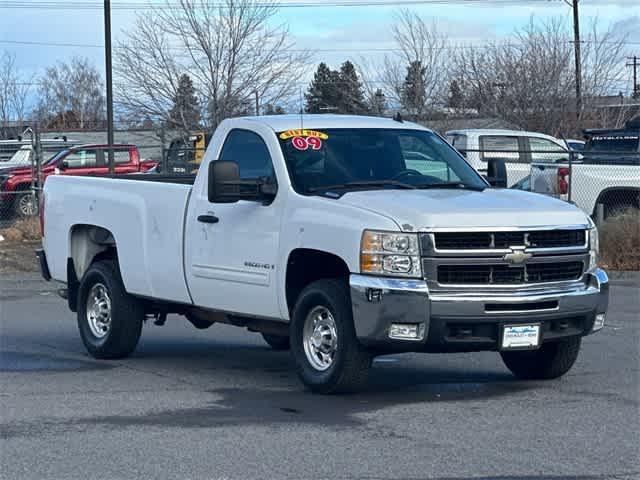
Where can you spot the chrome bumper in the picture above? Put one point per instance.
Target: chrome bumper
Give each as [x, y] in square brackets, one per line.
[380, 302]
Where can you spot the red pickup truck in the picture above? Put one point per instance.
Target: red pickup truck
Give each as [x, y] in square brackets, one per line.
[15, 183]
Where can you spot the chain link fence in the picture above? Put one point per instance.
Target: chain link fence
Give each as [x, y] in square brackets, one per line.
[601, 183]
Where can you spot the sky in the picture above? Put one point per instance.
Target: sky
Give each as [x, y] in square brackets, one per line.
[360, 29]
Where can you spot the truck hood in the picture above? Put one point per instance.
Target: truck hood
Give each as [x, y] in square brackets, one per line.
[423, 209]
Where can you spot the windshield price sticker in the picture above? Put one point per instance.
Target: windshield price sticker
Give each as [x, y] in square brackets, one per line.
[303, 132]
[304, 143]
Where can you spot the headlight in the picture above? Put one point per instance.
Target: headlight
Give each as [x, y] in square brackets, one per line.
[393, 254]
[594, 247]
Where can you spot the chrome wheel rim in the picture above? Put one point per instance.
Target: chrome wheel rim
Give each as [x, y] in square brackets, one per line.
[25, 205]
[320, 338]
[99, 310]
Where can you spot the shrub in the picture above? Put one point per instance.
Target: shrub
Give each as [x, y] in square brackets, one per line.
[620, 241]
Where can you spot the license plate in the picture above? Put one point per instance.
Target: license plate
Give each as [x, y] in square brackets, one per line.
[515, 337]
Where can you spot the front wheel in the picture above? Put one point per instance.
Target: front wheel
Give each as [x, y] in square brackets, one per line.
[24, 205]
[328, 356]
[552, 360]
[109, 319]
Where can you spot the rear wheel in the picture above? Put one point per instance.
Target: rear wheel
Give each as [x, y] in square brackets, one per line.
[277, 342]
[109, 319]
[328, 356]
[552, 360]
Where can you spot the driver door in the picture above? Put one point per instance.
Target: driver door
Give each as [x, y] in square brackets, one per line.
[232, 248]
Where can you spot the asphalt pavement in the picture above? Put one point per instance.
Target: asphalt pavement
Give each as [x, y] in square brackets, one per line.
[219, 404]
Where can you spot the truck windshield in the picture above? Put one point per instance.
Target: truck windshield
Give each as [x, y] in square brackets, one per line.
[373, 158]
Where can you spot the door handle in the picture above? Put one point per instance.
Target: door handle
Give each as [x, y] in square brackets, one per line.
[208, 219]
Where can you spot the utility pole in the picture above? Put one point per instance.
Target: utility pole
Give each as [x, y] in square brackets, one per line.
[107, 56]
[576, 49]
[257, 103]
[634, 65]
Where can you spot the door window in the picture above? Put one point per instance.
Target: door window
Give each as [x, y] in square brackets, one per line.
[250, 152]
[81, 159]
[459, 142]
[543, 150]
[501, 146]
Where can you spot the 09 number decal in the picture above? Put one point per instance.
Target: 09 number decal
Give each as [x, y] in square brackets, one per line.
[304, 143]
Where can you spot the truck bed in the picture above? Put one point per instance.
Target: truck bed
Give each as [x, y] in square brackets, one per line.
[145, 215]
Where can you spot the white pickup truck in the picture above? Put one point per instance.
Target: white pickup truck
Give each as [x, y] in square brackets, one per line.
[339, 237]
[607, 173]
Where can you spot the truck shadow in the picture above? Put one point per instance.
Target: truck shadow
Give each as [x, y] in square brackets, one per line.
[266, 392]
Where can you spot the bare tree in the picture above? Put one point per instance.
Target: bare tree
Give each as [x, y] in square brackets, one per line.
[71, 96]
[14, 92]
[530, 81]
[228, 48]
[419, 43]
[527, 82]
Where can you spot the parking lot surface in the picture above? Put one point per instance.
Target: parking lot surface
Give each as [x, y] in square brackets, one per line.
[219, 404]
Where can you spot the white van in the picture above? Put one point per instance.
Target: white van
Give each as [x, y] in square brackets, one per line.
[516, 147]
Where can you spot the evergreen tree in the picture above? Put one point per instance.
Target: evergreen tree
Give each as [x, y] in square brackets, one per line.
[324, 92]
[378, 103]
[185, 112]
[414, 94]
[456, 97]
[351, 93]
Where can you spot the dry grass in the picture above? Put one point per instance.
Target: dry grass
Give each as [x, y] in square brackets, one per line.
[18, 245]
[620, 241]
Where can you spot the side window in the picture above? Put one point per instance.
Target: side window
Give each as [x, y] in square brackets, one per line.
[82, 159]
[543, 150]
[119, 156]
[250, 152]
[420, 156]
[501, 146]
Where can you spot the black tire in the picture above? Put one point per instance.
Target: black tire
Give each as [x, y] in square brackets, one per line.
[349, 368]
[24, 205]
[552, 360]
[127, 314]
[277, 342]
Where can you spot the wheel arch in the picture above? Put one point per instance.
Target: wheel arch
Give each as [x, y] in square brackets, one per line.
[306, 265]
[88, 243]
[631, 195]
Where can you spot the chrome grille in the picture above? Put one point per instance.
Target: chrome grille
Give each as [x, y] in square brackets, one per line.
[500, 274]
[502, 240]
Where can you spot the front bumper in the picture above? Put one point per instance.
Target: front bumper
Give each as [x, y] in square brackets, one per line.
[464, 321]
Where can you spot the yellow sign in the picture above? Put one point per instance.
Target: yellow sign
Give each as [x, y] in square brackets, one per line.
[301, 132]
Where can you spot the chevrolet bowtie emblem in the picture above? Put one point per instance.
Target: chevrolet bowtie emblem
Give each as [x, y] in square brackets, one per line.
[516, 257]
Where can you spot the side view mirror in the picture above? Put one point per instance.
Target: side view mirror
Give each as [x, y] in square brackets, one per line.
[225, 185]
[64, 165]
[497, 173]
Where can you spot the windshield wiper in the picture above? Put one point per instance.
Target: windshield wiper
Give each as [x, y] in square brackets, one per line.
[368, 183]
[459, 185]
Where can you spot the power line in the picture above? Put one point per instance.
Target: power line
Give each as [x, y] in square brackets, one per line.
[28, 43]
[85, 5]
